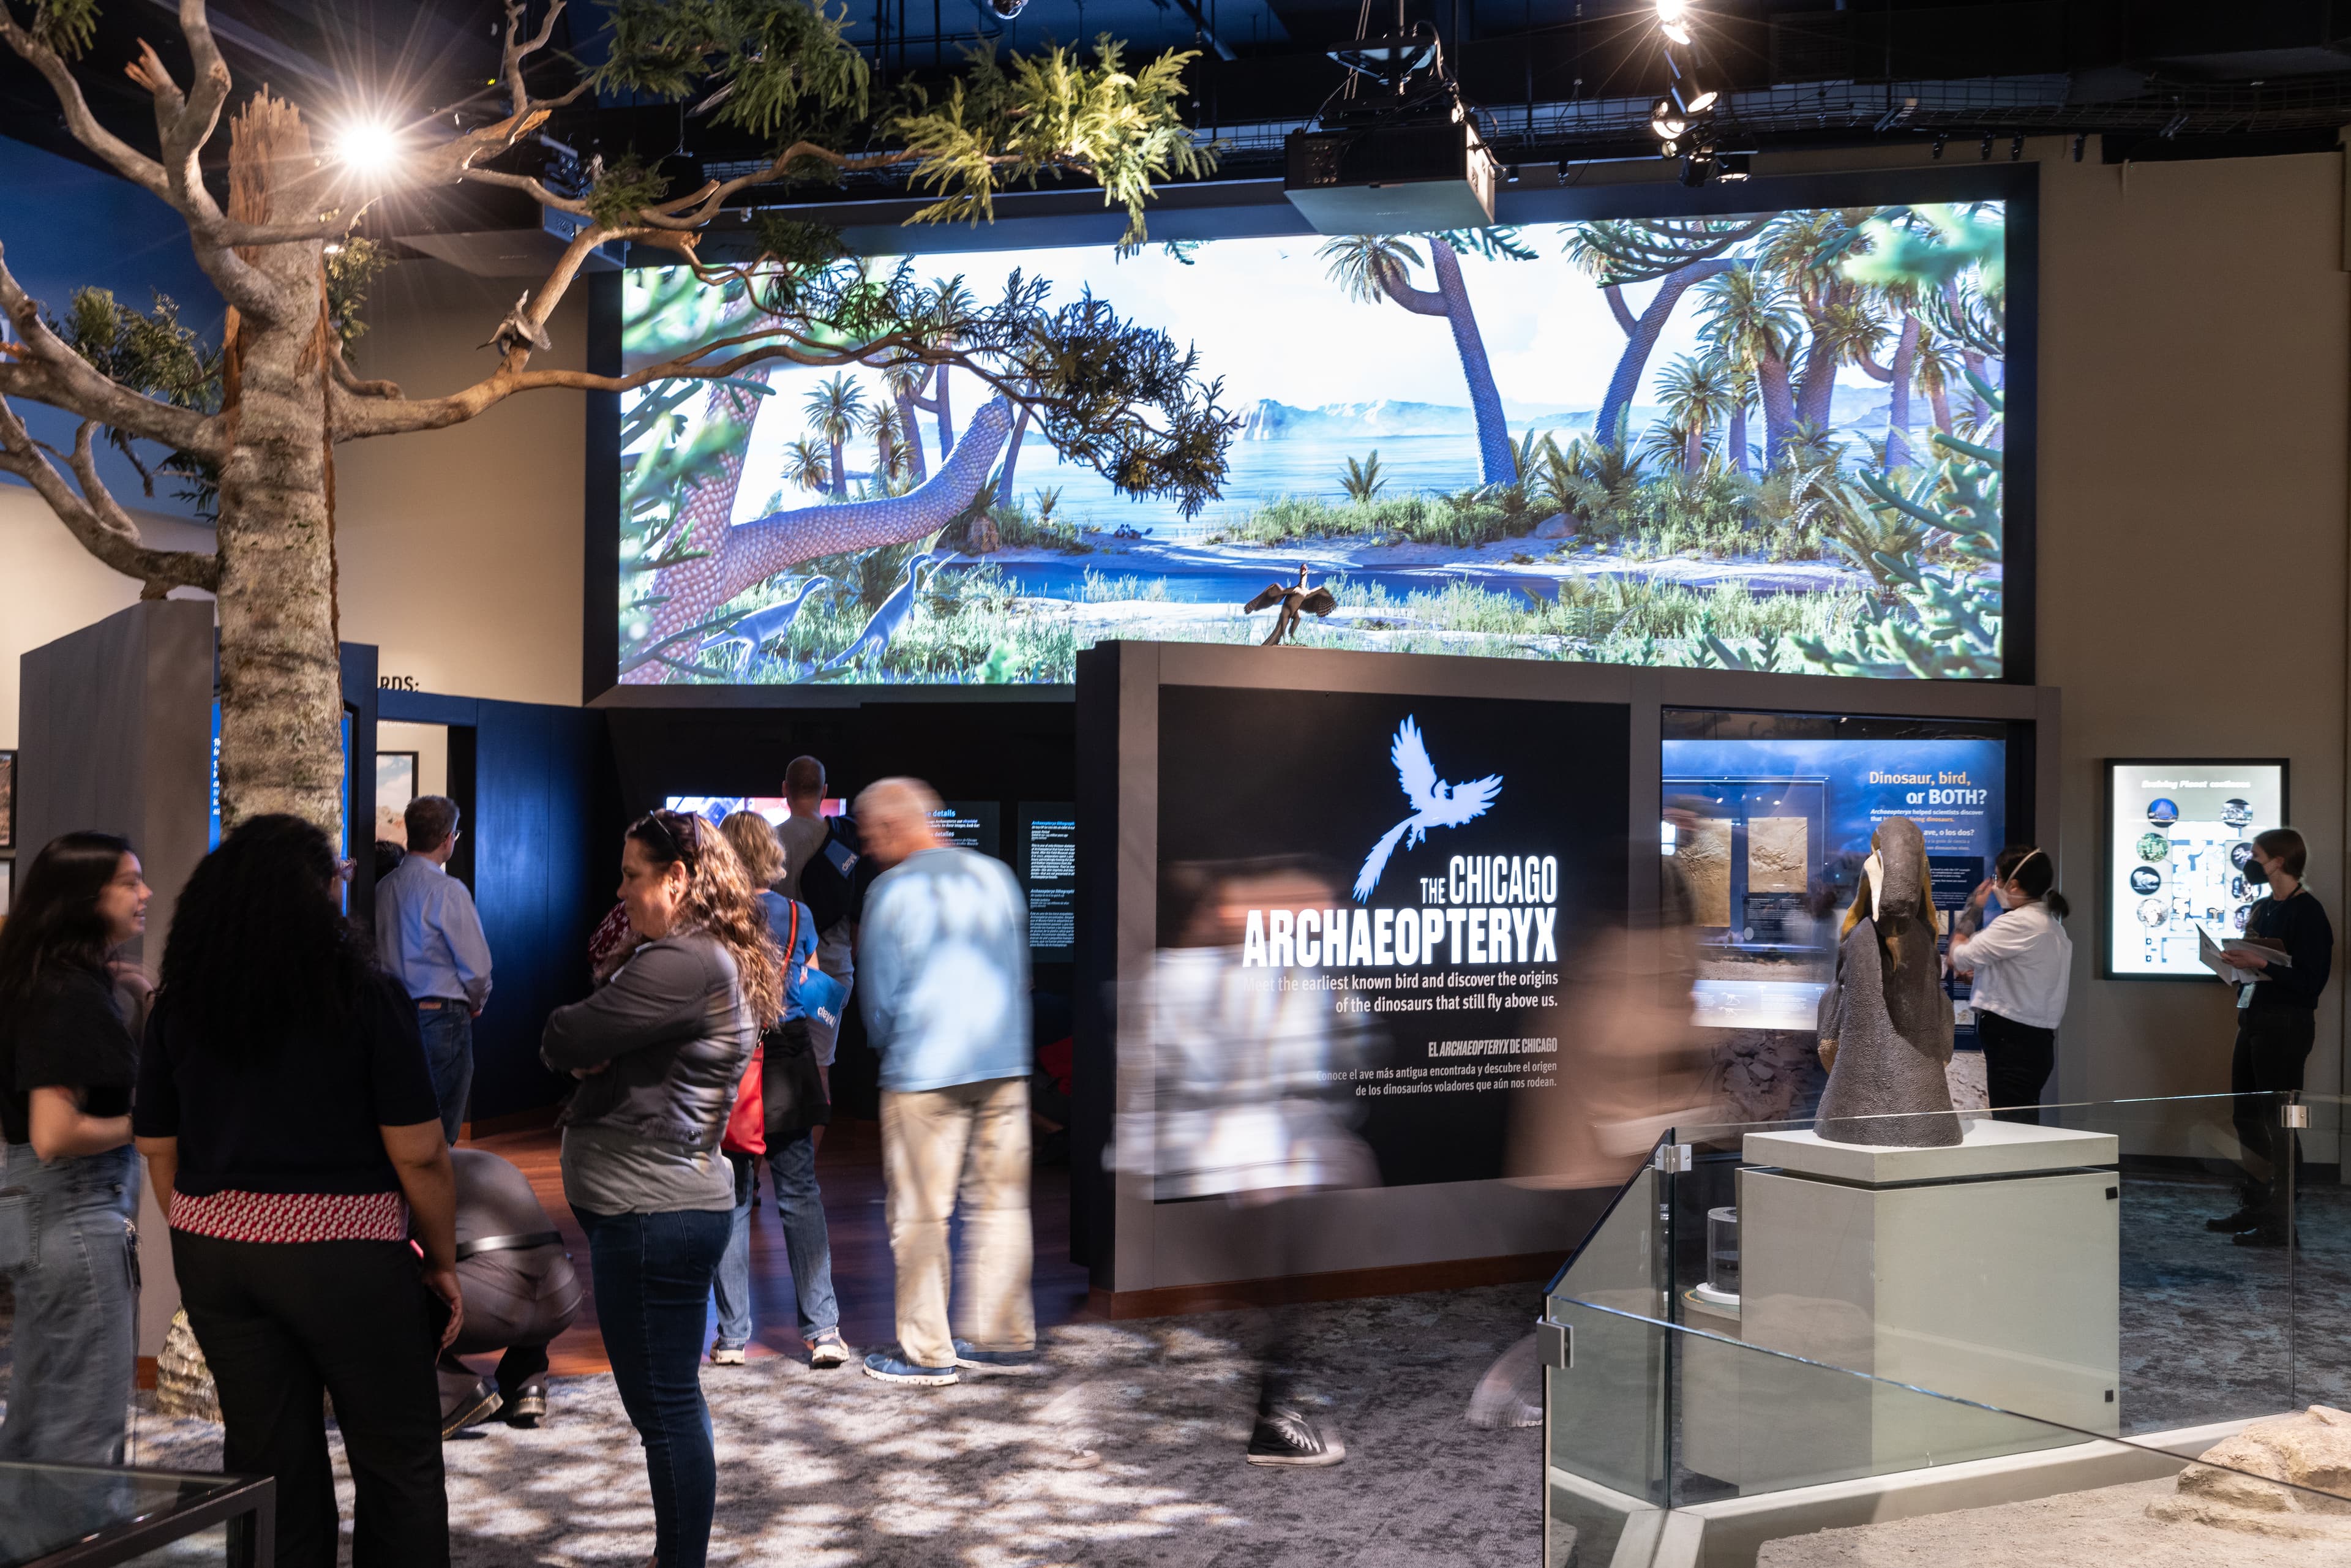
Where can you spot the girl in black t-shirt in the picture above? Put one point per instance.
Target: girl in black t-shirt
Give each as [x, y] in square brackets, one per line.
[69, 1178]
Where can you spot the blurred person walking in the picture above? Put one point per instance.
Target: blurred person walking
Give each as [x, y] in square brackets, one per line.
[288, 1118]
[944, 946]
[659, 1049]
[2277, 1020]
[1242, 1109]
[786, 1104]
[826, 869]
[428, 937]
[69, 1177]
[2023, 965]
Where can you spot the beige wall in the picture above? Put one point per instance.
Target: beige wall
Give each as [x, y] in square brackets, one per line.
[2195, 350]
[460, 549]
[50, 585]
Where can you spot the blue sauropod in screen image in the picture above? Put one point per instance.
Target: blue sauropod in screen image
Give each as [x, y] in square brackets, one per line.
[1631, 441]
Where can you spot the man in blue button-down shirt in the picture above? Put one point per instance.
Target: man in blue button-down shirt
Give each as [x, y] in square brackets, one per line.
[428, 937]
[943, 969]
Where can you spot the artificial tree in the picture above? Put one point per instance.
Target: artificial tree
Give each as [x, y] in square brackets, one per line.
[255, 421]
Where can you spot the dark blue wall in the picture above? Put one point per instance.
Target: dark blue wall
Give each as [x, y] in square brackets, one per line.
[537, 825]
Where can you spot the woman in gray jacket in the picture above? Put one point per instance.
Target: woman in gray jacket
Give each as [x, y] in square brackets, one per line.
[659, 1051]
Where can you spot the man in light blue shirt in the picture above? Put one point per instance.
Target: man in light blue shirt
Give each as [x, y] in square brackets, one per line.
[943, 969]
[428, 937]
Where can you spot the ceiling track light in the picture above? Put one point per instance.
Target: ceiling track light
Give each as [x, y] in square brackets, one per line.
[1985, 153]
[2016, 147]
[2081, 138]
[1938, 144]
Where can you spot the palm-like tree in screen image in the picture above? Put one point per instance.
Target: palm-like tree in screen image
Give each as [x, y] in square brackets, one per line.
[835, 410]
[1747, 320]
[1374, 268]
[808, 465]
[1698, 395]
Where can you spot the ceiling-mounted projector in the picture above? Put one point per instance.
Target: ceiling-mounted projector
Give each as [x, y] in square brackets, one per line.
[1382, 179]
[1399, 158]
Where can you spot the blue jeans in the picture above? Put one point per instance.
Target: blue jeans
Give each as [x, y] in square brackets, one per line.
[653, 1295]
[448, 1031]
[806, 1243]
[66, 1246]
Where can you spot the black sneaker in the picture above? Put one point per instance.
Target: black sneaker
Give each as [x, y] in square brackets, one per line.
[2244, 1218]
[1283, 1437]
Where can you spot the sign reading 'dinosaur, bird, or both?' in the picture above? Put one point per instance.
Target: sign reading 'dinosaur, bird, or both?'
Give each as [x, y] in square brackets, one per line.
[1416, 868]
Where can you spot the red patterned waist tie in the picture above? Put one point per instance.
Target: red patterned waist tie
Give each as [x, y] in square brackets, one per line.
[293, 1215]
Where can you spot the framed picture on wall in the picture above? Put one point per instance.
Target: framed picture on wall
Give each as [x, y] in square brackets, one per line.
[2177, 835]
[7, 799]
[395, 787]
[7, 885]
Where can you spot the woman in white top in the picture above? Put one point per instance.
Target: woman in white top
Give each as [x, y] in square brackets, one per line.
[2023, 962]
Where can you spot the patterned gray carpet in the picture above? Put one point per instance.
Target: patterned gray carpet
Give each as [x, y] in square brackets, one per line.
[1127, 1449]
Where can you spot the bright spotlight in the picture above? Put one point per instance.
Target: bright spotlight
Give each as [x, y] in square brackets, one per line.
[1676, 31]
[1671, 11]
[368, 146]
[1702, 102]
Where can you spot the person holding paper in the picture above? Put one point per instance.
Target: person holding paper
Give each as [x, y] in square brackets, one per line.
[2277, 1004]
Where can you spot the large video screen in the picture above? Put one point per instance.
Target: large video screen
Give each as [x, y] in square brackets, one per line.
[1386, 930]
[1771, 441]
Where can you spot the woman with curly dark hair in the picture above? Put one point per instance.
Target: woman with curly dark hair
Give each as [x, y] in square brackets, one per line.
[289, 1117]
[660, 1050]
[69, 1179]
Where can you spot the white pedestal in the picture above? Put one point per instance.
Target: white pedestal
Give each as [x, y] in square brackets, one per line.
[1988, 1270]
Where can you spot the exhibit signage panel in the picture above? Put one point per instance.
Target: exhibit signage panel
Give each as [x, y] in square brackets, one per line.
[2178, 835]
[1049, 874]
[1387, 887]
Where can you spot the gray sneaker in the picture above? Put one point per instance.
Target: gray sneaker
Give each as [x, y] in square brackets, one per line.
[828, 1350]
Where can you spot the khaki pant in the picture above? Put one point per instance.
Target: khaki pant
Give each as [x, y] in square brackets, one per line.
[966, 1146]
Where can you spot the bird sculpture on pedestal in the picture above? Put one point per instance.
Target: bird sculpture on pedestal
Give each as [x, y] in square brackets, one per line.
[1296, 602]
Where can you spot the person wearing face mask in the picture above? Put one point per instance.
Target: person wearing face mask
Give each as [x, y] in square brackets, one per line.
[2277, 1020]
[2024, 964]
[68, 1177]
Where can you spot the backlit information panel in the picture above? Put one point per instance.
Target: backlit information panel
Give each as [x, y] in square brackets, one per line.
[2179, 834]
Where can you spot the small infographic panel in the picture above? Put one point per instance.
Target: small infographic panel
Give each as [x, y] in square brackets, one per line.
[2178, 837]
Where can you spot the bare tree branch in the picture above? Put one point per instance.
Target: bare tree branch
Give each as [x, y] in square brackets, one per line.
[353, 420]
[124, 159]
[517, 49]
[46, 369]
[94, 516]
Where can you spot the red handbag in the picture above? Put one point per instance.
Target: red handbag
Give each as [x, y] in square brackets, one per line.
[746, 1123]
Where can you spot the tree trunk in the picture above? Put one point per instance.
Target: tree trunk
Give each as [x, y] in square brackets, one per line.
[1497, 464]
[915, 467]
[1898, 397]
[938, 404]
[1779, 406]
[1011, 458]
[840, 472]
[1737, 439]
[1939, 398]
[1627, 382]
[1694, 448]
[281, 690]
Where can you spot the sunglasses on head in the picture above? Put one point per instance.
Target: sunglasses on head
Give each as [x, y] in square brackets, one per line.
[682, 846]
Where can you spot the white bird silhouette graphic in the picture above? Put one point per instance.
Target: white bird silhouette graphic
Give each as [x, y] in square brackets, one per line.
[1434, 804]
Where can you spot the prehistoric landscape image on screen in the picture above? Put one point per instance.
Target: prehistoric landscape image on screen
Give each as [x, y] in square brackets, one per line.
[1771, 440]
